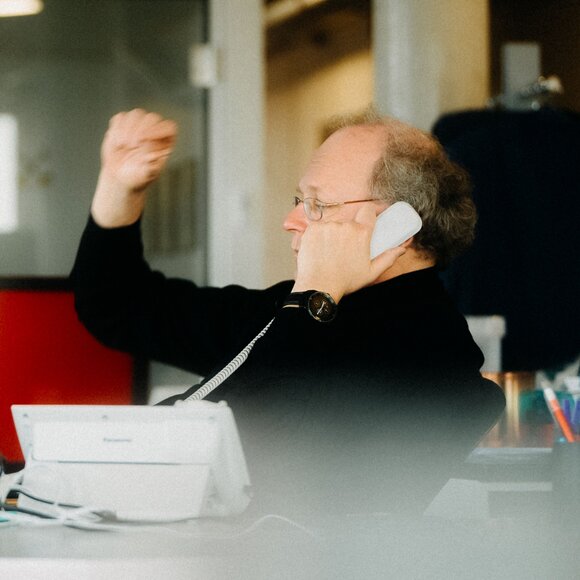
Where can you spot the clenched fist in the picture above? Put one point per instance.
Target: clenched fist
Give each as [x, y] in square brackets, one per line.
[134, 152]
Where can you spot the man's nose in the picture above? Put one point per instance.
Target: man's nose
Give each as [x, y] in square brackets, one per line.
[296, 219]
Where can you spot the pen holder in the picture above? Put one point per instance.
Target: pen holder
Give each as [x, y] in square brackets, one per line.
[566, 482]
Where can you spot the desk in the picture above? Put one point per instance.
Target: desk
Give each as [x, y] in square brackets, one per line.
[174, 552]
[529, 544]
[348, 548]
[195, 549]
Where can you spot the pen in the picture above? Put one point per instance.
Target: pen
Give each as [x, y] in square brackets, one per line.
[558, 414]
[576, 417]
[567, 410]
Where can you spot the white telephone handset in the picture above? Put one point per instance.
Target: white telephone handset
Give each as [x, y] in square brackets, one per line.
[394, 226]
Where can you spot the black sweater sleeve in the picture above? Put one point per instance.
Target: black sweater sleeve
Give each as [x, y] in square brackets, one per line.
[127, 306]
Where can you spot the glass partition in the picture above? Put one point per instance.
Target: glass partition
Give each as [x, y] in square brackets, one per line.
[63, 74]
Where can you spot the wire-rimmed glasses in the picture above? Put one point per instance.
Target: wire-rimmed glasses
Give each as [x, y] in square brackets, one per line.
[314, 209]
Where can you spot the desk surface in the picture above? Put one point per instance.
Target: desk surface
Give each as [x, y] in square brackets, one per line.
[370, 546]
[357, 547]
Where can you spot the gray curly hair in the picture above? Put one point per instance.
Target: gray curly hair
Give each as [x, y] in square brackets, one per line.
[415, 168]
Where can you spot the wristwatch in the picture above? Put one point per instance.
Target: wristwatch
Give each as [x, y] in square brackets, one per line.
[320, 305]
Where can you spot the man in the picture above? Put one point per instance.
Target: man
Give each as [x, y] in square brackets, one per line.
[364, 401]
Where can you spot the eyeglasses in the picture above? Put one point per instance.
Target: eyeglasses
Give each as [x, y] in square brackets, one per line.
[314, 209]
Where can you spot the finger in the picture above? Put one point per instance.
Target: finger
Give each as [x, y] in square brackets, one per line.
[131, 123]
[150, 119]
[138, 126]
[151, 124]
[163, 130]
[157, 158]
[117, 119]
[114, 131]
[153, 155]
[366, 215]
[122, 128]
[386, 260]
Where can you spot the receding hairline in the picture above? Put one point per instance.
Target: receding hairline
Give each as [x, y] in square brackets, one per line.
[393, 129]
[399, 140]
[415, 168]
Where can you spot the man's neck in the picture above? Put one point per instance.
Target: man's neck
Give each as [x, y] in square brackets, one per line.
[411, 261]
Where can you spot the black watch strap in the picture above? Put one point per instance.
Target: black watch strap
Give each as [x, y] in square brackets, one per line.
[319, 305]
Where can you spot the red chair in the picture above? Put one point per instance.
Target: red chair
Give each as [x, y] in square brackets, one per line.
[47, 357]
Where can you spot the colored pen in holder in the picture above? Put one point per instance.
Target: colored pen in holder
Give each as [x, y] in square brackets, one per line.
[576, 418]
[558, 414]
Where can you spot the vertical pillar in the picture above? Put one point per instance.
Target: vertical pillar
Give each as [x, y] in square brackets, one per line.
[236, 150]
[430, 57]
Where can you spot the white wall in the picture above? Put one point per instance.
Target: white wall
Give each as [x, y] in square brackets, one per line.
[298, 107]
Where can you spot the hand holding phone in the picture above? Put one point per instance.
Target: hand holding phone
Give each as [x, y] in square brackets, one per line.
[394, 226]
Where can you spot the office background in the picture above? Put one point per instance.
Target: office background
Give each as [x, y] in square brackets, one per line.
[251, 103]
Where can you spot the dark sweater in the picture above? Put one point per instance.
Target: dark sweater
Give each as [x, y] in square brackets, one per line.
[368, 412]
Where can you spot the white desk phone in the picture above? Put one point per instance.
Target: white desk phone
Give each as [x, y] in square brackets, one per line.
[134, 462]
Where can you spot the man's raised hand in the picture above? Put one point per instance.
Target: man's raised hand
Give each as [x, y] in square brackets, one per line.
[134, 152]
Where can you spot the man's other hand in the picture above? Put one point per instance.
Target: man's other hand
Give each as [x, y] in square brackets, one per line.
[134, 152]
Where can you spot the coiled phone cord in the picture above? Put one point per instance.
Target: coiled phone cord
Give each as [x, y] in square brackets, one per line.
[229, 369]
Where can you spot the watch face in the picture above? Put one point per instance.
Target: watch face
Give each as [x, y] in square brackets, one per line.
[321, 307]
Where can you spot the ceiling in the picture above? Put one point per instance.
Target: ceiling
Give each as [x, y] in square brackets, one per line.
[316, 23]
